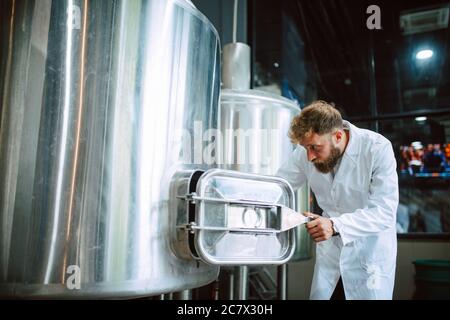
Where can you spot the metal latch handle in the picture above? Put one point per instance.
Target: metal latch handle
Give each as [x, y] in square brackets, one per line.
[193, 226]
[289, 217]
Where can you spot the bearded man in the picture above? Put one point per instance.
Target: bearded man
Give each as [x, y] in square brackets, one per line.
[352, 173]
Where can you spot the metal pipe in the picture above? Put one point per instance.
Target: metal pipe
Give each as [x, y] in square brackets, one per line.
[216, 289]
[241, 288]
[236, 66]
[231, 286]
[282, 282]
[235, 13]
[183, 295]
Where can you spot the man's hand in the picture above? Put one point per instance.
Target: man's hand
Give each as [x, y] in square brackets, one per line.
[320, 229]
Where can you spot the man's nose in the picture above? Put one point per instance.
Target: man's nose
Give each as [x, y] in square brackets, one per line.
[311, 156]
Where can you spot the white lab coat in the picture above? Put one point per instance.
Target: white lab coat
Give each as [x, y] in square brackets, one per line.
[362, 201]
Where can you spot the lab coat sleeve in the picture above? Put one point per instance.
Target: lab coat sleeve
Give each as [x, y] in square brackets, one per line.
[380, 213]
[292, 169]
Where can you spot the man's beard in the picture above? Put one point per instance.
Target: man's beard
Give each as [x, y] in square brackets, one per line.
[328, 164]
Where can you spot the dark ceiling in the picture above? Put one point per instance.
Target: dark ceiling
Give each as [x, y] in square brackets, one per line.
[329, 42]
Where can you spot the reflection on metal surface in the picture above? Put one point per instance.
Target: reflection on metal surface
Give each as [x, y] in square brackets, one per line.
[91, 136]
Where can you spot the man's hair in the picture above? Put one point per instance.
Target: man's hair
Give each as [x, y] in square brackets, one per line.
[318, 117]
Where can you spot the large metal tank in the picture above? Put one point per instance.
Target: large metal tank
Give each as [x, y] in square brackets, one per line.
[97, 100]
[254, 126]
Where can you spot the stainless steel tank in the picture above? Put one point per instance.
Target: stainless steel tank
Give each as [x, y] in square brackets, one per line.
[254, 126]
[98, 98]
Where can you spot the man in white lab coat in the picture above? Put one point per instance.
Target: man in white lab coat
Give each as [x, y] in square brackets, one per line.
[352, 173]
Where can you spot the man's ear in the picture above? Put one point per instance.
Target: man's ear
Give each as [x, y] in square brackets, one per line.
[338, 136]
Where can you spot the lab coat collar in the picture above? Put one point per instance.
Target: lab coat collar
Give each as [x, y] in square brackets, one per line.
[350, 158]
[352, 150]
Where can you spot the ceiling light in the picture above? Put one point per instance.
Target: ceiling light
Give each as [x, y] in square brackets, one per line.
[424, 54]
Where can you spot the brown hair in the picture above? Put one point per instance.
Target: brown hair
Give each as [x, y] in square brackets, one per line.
[318, 117]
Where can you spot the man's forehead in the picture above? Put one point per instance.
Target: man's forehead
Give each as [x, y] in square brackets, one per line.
[311, 138]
